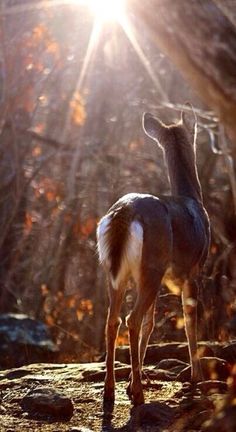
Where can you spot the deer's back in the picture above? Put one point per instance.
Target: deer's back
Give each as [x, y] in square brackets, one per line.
[190, 232]
[180, 221]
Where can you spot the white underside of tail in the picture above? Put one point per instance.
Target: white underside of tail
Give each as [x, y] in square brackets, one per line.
[102, 242]
[131, 256]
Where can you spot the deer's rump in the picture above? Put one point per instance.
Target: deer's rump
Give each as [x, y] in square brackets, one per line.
[163, 229]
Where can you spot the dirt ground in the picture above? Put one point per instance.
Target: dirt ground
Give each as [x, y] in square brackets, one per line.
[170, 405]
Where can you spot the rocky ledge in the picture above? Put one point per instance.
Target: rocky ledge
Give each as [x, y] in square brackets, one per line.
[68, 397]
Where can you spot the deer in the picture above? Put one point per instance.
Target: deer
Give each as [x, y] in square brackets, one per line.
[155, 239]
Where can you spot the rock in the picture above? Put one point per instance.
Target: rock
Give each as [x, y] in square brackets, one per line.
[156, 352]
[212, 386]
[27, 337]
[228, 353]
[47, 402]
[162, 375]
[168, 369]
[170, 350]
[171, 363]
[184, 375]
[213, 368]
[122, 372]
[153, 413]
[169, 405]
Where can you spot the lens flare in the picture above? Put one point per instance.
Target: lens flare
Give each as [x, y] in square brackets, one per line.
[107, 10]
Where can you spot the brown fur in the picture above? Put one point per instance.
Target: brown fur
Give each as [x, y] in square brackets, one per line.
[118, 234]
[175, 240]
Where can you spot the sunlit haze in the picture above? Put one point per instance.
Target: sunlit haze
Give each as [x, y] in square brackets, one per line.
[107, 10]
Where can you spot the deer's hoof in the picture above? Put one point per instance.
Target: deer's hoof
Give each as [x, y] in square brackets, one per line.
[136, 396]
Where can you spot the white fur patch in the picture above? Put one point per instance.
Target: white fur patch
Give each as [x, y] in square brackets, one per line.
[103, 247]
[132, 254]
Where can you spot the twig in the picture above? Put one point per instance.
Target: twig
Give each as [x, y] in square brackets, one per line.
[43, 139]
[209, 115]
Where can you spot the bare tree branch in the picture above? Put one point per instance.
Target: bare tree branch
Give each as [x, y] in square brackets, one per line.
[200, 39]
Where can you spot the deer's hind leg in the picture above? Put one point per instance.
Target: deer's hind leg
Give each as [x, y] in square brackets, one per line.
[148, 287]
[112, 327]
[147, 328]
[189, 301]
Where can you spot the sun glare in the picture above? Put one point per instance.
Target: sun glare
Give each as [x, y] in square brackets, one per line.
[107, 10]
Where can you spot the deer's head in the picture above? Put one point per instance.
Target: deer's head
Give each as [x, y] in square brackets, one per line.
[185, 129]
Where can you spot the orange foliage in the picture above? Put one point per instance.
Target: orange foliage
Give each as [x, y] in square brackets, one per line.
[40, 38]
[86, 228]
[37, 151]
[51, 195]
[28, 223]
[49, 188]
[42, 35]
[123, 338]
[179, 323]
[53, 48]
[71, 302]
[78, 110]
[32, 45]
[39, 32]
[44, 290]
[50, 321]
[85, 307]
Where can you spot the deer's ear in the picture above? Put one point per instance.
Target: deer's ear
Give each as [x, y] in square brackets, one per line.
[154, 128]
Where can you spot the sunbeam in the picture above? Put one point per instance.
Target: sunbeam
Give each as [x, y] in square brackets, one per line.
[131, 36]
[94, 37]
[104, 11]
[90, 52]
